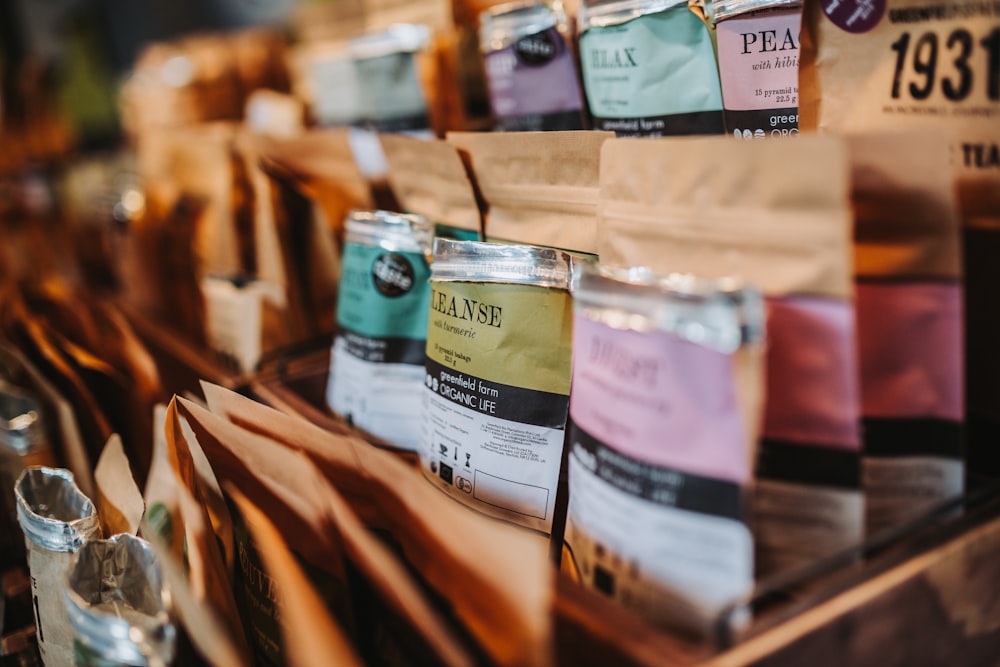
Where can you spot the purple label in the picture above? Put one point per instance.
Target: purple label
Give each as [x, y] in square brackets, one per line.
[533, 84]
[759, 71]
[658, 399]
[855, 15]
[812, 373]
[910, 342]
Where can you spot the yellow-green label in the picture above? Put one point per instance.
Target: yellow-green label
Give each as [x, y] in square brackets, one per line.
[517, 335]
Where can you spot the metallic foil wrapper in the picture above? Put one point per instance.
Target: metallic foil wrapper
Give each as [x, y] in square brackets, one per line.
[473, 261]
[721, 314]
[392, 231]
[117, 605]
[57, 519]
[53, 512]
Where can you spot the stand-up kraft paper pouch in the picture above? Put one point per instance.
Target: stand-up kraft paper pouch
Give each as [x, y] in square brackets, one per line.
[429, 179]
[57, 519]
[775, 214]
[540, 187]
[909, 307]
[915, 65]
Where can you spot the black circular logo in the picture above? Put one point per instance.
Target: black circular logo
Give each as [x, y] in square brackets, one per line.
[536, 49]
[393, 274]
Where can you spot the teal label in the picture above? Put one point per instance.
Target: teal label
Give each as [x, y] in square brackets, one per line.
[655, 75]
[383, 294]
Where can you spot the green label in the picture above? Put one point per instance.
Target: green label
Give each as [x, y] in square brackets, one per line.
[655, 74]
[383, 294]
[516, 335]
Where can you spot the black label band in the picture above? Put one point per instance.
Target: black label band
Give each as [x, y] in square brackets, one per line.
[698, 122]
[809, 465]
[663, 486]
[516, 404]
[892, 438]
[384, 350]
[542, 122]
[762, 123]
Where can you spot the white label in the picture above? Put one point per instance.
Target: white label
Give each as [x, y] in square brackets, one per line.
[233, 319]
[502, 468]
[899, 489]
[795, 524]
[672, 566]
[383, 399]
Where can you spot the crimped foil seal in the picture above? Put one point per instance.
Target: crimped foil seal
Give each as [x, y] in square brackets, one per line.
[502, 25]
[720, 10]
[395, 232]
[604, 13]
[54, 514]
[475, 261]
[117, 603]
[721, 314]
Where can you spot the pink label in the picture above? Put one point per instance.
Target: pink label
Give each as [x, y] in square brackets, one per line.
[759, 60]
[812, 373]
[910, 342]
[658, 399]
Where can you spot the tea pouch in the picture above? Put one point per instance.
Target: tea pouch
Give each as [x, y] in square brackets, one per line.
[371, 594]
[909, 309]
[68, 445]
[118, 605]
[531, 67]
[540, 187]
[777, 215]
[429, 178]
[902, 65]
[376, 366]
[390, 497]
[57, 519]
[308, 184]
[497, 383]
[312, 637]
[758, 46]
[649, 68]
[667, 386]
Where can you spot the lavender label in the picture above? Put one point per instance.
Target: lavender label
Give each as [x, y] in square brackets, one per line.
[759, 70]
[533, 85]
[657, 461]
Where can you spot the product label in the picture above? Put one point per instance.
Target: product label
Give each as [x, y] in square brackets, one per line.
[534, 86]
[910, 342]
[759, 69]
[55, 634]
[376, 368]
[655, 75]
[258, 599]
[808, 500]
[796, 524]
[392, 97]
[497, 389]
[656, 464]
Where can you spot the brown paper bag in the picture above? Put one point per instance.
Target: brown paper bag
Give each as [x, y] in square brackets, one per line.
[305, 186]
[539, 187]
[389, 615]
[429, 179]
[775, 214]
[504, 602]
[119, 501]
[311, 636]
[904, 65]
